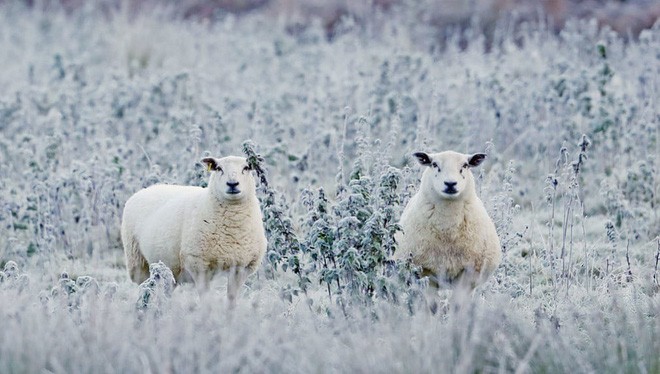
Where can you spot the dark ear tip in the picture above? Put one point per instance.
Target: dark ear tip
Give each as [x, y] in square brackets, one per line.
[422, 157]
[476, 159]
[210, 163]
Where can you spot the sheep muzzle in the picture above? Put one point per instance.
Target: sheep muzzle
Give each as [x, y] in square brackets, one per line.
[232, 188]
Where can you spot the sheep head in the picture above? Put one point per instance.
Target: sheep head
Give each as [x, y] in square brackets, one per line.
[231, 178]
[448, 175]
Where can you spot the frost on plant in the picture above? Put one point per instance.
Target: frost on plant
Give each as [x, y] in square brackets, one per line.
[154, 292]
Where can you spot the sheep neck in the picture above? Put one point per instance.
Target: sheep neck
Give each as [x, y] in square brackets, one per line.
[446, 214]
[226, 212]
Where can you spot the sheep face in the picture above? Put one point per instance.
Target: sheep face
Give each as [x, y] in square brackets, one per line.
[448, 173]
[231, 178]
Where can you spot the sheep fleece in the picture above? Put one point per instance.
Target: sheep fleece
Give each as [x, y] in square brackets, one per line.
[186, 229]
[449, 238]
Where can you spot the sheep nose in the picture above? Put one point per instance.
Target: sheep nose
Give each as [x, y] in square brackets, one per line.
[232, 184]
[451, 184]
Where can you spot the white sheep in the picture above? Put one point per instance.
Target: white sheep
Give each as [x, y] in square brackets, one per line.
[197, 231]
[445, 227]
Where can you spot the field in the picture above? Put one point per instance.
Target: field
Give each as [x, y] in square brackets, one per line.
[96, 105]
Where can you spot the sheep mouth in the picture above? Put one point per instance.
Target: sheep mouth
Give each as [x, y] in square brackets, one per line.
[450, 191]
[233, 191]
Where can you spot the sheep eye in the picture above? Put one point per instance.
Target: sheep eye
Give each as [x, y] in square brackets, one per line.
[435, 165]
[465, 166]
[247, 168]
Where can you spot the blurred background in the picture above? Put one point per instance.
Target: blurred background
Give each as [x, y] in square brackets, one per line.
[627, 17]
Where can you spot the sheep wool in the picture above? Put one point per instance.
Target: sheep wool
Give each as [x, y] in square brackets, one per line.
[445, 227]
[197, 231]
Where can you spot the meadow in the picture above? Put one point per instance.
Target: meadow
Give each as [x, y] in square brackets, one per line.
[96, 105]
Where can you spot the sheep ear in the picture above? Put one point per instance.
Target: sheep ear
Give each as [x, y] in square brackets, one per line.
[211, 163]
[476, 159]
[423, 158]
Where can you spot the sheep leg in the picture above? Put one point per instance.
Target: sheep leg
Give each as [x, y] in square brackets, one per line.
[464, 288]
[202, 280]
[193, 267]
[437, 300]
[137, 265]
[432, 298]
[237, 277]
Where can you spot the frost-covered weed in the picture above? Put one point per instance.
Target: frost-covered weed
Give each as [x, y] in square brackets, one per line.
[348, 242]
[11, 278]
[155, 290]
[94, 108]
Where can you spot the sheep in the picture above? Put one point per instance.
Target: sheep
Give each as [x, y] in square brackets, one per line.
[445, 228]
[197, 231]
